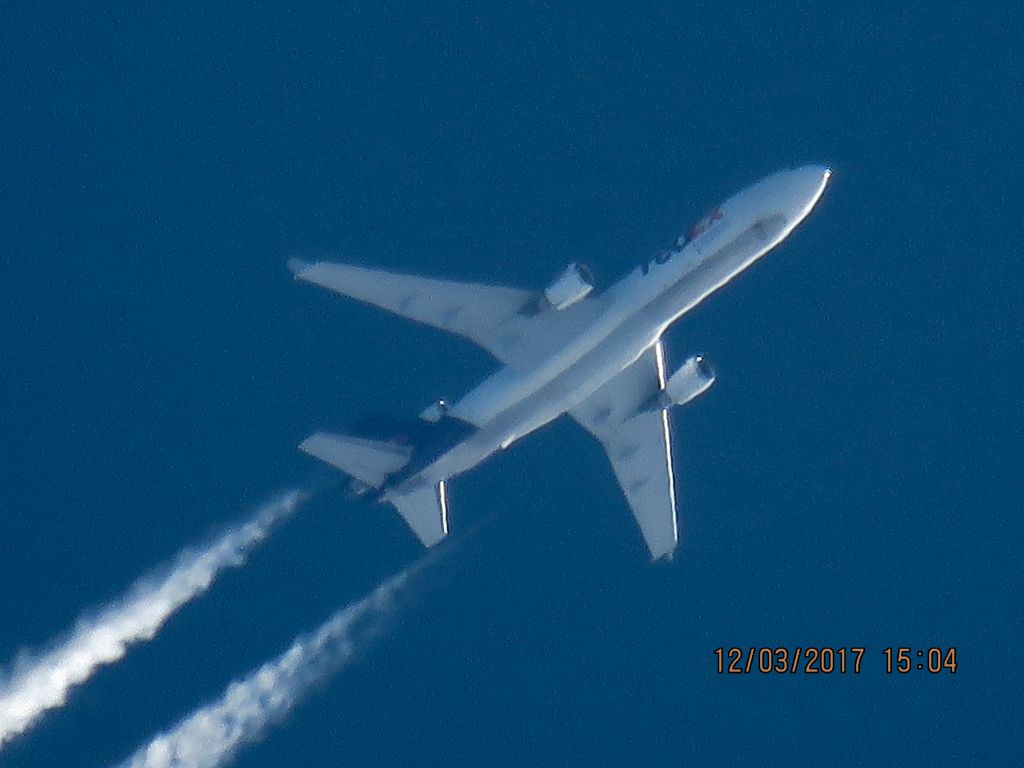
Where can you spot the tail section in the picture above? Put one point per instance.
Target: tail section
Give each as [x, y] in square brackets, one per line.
[368, 461]
[425, 510]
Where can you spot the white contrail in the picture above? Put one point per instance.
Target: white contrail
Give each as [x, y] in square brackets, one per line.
[212, 735]
[42, 682]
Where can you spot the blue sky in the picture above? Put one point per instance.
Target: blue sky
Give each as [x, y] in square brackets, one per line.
[852, 478]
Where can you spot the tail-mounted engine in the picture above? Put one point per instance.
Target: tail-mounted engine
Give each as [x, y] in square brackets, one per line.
[571, 286]
[434, 412]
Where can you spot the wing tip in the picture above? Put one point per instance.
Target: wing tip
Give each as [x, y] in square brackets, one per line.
[666, 556]
[298, 266]
[309, 444]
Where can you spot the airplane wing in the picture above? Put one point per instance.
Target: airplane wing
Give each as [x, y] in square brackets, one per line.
[504, 321]
[638, 443]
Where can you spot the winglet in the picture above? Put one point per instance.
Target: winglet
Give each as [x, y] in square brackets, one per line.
[298, 266]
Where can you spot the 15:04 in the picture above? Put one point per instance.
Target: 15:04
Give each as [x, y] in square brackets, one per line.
[935, 660]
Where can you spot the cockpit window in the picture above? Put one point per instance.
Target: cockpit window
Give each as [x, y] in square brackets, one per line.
[715, 214]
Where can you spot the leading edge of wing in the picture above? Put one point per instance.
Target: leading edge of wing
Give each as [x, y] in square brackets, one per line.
[637, 439]
[472, 310]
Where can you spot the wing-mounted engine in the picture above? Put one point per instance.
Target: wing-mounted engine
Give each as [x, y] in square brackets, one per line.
[693, 378]
[571, 286]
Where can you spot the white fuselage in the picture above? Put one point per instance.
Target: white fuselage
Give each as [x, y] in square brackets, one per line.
[632, 316]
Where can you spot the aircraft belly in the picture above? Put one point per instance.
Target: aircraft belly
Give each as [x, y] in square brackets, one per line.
[487, 401]
[547, 403]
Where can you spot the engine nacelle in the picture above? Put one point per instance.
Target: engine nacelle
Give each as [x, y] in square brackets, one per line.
[571, 286]
[434, 412]
[693, 378]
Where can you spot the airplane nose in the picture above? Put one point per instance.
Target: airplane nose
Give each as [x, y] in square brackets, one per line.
[812, 178]
[802, 188]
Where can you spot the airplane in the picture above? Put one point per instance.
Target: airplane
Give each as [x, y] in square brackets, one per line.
[566, 349]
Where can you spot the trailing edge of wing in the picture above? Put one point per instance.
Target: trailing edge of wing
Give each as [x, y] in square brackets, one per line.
[475, 311]
[512, 324]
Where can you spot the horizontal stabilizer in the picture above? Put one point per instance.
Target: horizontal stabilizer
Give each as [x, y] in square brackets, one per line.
[366, 460]
[425, 510]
